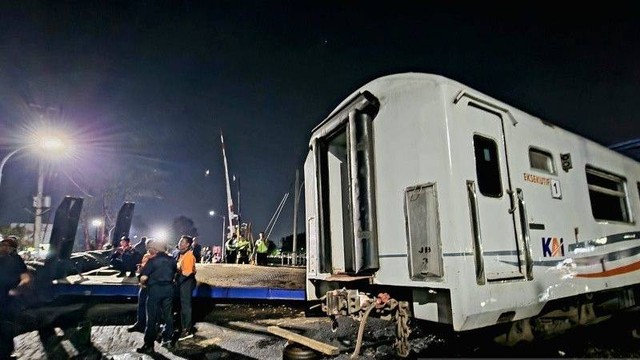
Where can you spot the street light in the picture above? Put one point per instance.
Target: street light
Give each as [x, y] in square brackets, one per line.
[6, 158]
[97, 223]
[224, 223]
[48, 144]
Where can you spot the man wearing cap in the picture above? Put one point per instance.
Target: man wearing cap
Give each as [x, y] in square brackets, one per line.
[123, 258]
[13, 277]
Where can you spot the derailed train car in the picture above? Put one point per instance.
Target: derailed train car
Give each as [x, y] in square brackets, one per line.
[426, 197]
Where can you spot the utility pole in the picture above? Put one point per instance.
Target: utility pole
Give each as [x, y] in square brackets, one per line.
[237, 180]
[230, 208]
[295, 221]
[223, 247]
[40, 201]
[37, 204]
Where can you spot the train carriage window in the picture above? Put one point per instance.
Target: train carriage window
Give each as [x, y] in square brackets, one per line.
[487, 166]
[608, 195]
[541, 160]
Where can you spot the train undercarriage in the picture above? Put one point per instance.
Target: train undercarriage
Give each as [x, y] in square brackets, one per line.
[556, 318]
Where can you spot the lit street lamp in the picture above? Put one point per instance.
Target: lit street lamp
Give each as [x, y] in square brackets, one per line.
[47, 145]
[224, 223]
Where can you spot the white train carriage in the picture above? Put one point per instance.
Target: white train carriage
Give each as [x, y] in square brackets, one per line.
[472, 211]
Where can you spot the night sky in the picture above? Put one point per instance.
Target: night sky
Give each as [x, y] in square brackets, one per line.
[146, 87]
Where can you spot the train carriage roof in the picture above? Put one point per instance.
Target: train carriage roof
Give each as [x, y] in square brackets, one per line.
[392, 83]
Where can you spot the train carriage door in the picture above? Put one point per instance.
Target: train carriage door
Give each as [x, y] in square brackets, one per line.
[346, 208]
[496, 223]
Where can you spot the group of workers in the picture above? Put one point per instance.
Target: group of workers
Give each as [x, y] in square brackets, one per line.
[241, 251]
[166, 282]
[211, 255]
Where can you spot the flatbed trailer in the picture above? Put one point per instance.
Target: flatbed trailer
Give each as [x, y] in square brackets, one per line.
[215, 281]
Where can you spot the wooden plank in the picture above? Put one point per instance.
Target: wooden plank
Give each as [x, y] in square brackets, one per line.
[308, 342]
[249, 326]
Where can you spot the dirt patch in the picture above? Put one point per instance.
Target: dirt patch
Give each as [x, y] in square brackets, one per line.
[239, 275]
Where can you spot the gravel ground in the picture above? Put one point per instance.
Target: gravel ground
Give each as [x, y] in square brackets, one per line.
[223, 334]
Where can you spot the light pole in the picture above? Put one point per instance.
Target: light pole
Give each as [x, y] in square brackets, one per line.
[47, 144]
[224, 223]
[6, 158]
[37, 204]
[37, 200]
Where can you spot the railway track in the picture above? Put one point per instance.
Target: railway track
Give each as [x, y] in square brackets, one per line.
[220, 334]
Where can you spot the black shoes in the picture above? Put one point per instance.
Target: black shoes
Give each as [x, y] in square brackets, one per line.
[135, 328]
[132, 274]
[122, 274]
[145, 349]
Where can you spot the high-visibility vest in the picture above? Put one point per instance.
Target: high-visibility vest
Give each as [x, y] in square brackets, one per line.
[261, 246]
[231, 244]
[243, 243]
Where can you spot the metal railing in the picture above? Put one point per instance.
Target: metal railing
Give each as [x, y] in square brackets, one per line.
[288, 259]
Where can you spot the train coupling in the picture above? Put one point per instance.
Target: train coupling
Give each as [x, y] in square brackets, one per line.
[345, 302]
[359, 306]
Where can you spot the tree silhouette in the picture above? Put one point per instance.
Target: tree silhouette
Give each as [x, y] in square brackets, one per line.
[182, 225]
[128, 186]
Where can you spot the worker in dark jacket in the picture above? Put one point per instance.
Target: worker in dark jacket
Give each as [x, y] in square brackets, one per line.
[158, 276]
[140, 249]
[197, 250]
[124, 258]
[143, 293]
[13, 277]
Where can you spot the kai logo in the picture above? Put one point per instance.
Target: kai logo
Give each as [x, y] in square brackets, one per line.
[552, 247]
